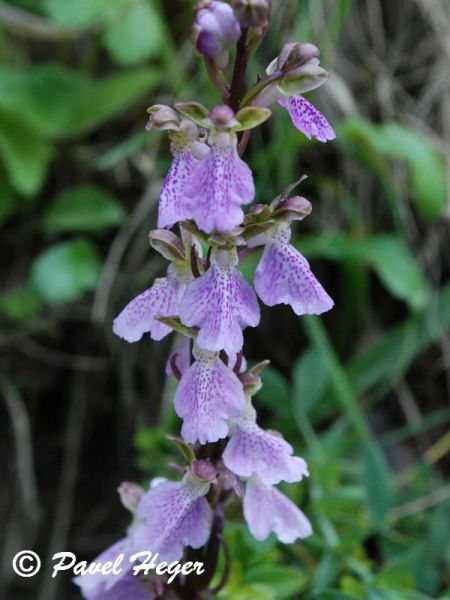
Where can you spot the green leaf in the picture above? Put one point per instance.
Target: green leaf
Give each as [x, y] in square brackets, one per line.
[109, 97]
[275, 393]
[58, 102]
[310, 378]
[175, 324]
[326, 572]
[80, 13]
[285, 580]
[334, 595]
[66, 271]
[391, 355]
[20, 305]
[397, 268]
[342, 387]
[84, 208]
[387, 254]
[377, 482]
[135, 36]
[194, 111]
[254, 592]
[251, 117]
[425, 161]
[25, 154]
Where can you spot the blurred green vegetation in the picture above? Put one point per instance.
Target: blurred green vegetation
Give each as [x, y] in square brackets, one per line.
[361, 393]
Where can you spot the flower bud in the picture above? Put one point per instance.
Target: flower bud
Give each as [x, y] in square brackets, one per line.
[252, 384]
[295, 208]
[204, 469]
[222, 117]
[252, 13]
[162, 117]
[215, 30]
[167, 244]
[130, 495]
[296, 55]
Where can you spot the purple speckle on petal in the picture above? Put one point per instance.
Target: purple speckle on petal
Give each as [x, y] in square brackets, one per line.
[208, 395]
[283, 276]
[307, 118]
[221, 303]
[172, 207]
[173, 515]
[217, 187]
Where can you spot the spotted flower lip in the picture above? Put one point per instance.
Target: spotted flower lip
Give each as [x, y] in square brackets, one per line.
[162, 299]
[221, 303]
[219, 185]
[253, 451]
[208, 395]
[171, 516]
[307, 118]
[186, 150]
[172, 208]
[283, 276]
[267, 510]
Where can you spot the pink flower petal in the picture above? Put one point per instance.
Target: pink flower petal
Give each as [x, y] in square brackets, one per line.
[208, 394]
[221, 303]
[307, 118]
[253, 451]
[283, 276]
[172, 205]
[217, 187]
[173, 515]
[267, 510]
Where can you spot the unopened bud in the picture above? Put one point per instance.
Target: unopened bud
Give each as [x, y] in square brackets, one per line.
[252, 384]
[296, 55]
[204, 469]
[293, 209]
[130, 495]
[222, 117]
[167, 244]
[162, 117]
[252, 13]
[215, 30]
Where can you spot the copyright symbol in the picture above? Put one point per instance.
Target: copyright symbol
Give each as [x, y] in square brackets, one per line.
[26, 563]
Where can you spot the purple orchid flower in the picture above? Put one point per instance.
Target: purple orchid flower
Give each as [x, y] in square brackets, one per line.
[221, 303]
[171, 516]
[253, 451]
[161, 300]
[267, 510]
[295, 72]
[307, 118]
[208, 395]
[219, 185]
[215, 30]
[187, 151]
[283, 275]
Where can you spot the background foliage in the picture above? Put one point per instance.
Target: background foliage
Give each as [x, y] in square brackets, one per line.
[363, 393]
